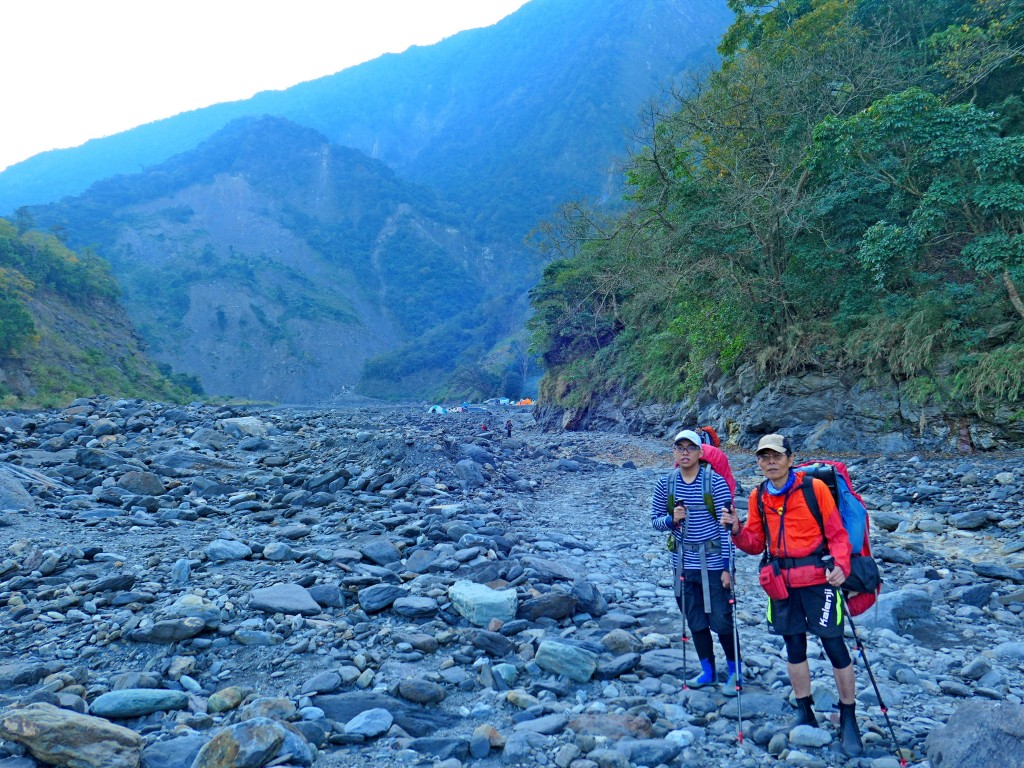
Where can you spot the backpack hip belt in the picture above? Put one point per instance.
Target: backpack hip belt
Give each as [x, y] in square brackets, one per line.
[798, 562]
[711, 546]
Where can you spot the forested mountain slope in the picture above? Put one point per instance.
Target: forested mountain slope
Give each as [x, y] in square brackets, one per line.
[271, 264]
[248, 262]
[844, 196]
[62, 333]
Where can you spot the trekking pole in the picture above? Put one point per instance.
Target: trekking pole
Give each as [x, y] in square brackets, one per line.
[736, 641]
[874, 684]
[680, 591]
[680, 588]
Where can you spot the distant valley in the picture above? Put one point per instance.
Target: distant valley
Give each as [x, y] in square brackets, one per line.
[366, 230]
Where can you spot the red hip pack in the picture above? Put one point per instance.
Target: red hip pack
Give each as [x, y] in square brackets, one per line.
[772, 581]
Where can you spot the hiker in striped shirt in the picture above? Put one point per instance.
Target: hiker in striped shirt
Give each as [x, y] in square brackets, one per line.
[686, 503]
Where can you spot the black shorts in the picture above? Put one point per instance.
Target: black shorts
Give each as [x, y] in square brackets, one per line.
[698, 619]
[817, 609]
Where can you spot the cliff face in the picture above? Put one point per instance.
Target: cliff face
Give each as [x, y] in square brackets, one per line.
[821, 412]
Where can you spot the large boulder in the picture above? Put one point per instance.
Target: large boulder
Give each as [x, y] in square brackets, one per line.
[61, 737]
[173, 753]
[470, 473]
[577, 664]
[243, 426]
[479, 603]
[412, 718]
[136, 702]
[896, 610]
[979, 734]
[142, 483]
[288, 599]
[13, 495]
[377, 597]
[255, 742]
[553, 605]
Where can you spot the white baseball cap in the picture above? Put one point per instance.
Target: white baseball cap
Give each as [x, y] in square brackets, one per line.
[687, 434]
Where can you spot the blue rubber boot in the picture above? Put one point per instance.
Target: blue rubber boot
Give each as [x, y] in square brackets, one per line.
[735, 679]
[707, 675]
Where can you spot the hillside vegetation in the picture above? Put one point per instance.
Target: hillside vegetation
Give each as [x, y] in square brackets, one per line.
[845, 192]
[62, 333]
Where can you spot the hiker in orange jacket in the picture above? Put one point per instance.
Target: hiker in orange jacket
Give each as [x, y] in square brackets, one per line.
[780, 525]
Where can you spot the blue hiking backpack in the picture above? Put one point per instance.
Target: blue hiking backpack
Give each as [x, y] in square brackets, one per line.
[865, 579]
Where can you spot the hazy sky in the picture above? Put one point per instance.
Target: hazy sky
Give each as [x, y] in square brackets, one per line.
[79, 69]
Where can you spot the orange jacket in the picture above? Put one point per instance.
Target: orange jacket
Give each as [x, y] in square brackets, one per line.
[801, 535]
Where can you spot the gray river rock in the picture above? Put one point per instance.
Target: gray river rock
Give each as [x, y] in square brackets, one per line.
[383, 587]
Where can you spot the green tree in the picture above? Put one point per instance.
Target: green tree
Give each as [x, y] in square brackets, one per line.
[987, 43]
[23, 219]
[954, 188]
[17, 329]
[810, 204]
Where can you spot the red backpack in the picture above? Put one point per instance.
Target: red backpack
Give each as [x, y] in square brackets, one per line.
[709, 436]
[864, 582]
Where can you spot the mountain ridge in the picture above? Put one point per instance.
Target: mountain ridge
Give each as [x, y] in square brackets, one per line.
[402, 103]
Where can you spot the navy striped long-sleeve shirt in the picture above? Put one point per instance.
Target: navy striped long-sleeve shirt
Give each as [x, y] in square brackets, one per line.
[700, 524]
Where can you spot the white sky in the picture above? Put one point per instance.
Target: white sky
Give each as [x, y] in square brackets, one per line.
[80, 69]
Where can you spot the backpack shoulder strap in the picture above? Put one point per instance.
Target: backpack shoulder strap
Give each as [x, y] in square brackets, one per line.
[807, 486]
[707, 489]
[764, 521]
[671, 497]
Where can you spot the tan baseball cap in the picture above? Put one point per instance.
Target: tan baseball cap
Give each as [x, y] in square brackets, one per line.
[773, 442]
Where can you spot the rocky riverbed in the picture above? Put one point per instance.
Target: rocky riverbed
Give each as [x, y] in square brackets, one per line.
[210, 586]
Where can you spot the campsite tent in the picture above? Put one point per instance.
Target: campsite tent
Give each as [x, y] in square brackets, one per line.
[436, 409]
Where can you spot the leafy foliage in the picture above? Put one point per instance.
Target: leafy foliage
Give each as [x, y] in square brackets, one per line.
[828, 198]
[31, 262]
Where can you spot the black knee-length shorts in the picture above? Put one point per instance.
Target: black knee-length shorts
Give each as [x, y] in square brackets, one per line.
[817, 609]
[720, 618]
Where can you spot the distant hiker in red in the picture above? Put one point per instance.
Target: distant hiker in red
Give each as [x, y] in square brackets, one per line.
[802, 581]
[508, 427]
[484, 426]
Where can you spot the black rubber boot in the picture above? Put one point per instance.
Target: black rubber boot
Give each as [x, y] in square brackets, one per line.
[849, 733]
[804, 713]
